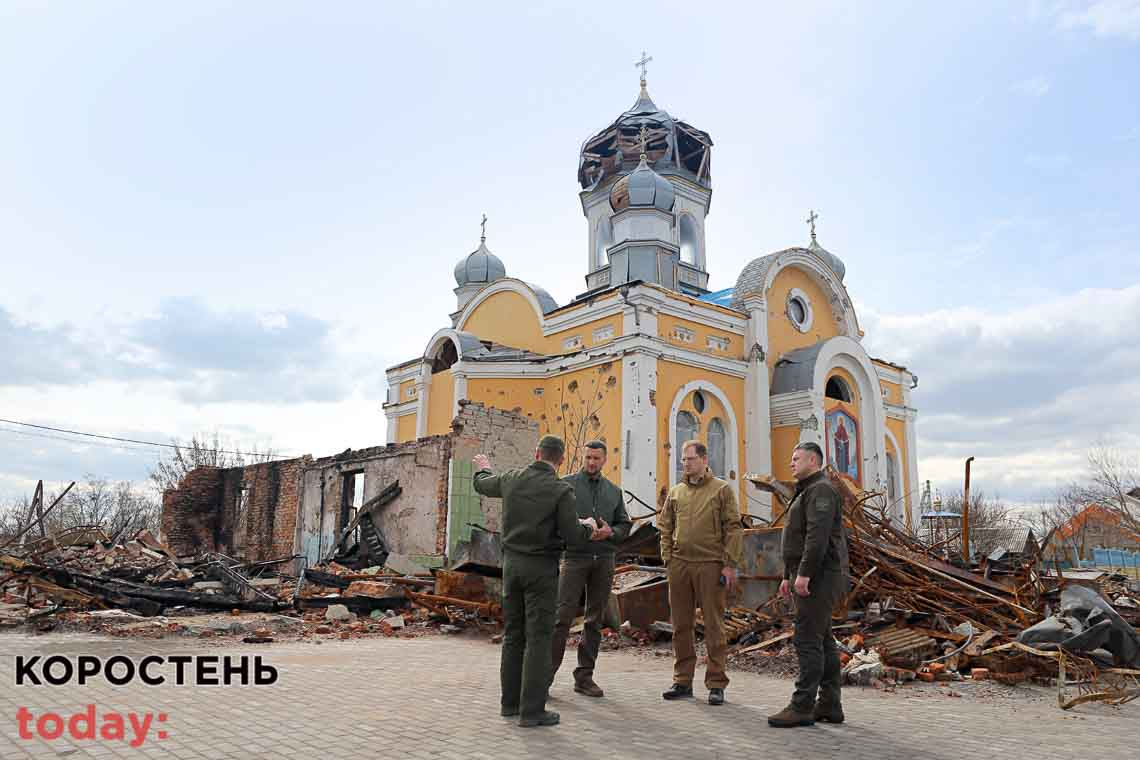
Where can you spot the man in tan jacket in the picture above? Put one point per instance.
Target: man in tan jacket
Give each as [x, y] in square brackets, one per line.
[701, 544]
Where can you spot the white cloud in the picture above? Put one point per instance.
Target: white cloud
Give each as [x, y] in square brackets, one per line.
[1107, 18]
[1028, 391]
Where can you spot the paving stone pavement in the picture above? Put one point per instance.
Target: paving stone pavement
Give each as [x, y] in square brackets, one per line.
[437, 697]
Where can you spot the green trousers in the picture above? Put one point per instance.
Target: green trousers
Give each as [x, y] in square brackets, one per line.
[530, 595]
[820, 671]
[593, 575]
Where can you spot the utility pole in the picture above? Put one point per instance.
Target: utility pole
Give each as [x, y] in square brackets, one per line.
[966, 516]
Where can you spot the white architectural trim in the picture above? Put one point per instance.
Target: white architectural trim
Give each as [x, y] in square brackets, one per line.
[460, 382]
[609, 351]
[809, 312]
[638, 435]
[793, 408]
[826, 279]
[504, 285]
[911, 451]
[445, 333]
[848, 354]
[890, 374]
[897, 512]
[423, 388]
[732, 456]
[757, 397]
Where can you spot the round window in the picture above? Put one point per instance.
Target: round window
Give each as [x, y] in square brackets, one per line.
[797, 310]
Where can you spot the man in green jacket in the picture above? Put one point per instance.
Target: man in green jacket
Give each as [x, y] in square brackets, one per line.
[589, 568]
[538, 518]
[814, 549]
[701, 544]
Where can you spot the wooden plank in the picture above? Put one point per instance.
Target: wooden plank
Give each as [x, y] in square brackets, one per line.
[768, 643]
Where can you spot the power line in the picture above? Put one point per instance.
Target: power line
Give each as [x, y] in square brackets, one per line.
[45, 436]
[126, 440]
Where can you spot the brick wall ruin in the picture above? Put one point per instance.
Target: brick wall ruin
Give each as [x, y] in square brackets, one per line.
[298, 506]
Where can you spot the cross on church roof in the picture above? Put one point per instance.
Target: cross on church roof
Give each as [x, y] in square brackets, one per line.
[811, 220]
[483, 225]
[644, 135]
[643, 64]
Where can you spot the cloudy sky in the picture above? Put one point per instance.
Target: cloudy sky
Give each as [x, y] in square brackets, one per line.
[233, 218]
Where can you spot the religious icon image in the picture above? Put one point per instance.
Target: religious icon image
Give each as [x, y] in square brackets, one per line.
[843, 443]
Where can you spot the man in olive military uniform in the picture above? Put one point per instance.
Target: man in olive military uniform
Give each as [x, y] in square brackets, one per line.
[538, 518]
[589, 568]
[814, 548]
[701, 544]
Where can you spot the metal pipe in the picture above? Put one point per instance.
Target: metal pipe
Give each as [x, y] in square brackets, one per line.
[966, 516]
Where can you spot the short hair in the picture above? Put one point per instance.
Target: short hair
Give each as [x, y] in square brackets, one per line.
[811, 448]
[551, 448]
[597, 445]
[701, 449]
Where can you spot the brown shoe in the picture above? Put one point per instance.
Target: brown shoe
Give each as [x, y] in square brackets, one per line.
[827, 713]
[790, 717]
[588, 687]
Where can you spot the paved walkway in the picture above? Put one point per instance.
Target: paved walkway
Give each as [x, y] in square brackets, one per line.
[437, 697]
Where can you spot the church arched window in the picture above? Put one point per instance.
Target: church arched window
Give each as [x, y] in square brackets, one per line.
[444, 357]
[686, 431]
[690, 241]
[603, 239]
[716, 444]
[892, 481]
[838, 389]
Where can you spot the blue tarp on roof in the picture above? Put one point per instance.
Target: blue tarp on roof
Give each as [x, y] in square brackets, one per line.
[719, 297]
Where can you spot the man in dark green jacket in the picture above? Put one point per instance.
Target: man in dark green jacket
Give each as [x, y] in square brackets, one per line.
[814, 548]
[589, 568]
[538, 518]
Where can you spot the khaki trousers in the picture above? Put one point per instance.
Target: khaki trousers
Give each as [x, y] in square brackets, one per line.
[692, 585]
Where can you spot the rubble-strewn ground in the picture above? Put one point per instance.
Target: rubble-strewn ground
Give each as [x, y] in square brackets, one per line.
[437, 697]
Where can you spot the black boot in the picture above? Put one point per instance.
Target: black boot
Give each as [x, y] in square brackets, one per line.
[678, 691]
[547, 718]
[716, 696]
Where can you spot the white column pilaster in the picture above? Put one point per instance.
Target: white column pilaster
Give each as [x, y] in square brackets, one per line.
[757, 454]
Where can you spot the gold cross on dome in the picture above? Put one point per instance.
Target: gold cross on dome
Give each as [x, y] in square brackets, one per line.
[643, 64]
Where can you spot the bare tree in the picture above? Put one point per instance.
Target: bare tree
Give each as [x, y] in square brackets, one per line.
[991, 519]
[117, 508]
[202, 450]
[577, 418]
[1112, 476]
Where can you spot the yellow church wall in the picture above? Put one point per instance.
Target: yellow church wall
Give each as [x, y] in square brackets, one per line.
[407, 391]
[509, 319]
[556, 341]
[671, 377]
[561, 404]
[667, 328]
[784, 441]
[405, 428]
[782, 334]
[441, 403]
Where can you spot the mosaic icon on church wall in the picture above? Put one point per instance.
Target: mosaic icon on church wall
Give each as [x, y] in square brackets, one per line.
[843, 443]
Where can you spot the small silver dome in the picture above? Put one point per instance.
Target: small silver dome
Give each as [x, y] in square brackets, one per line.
[642, 188]
[479, 266]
